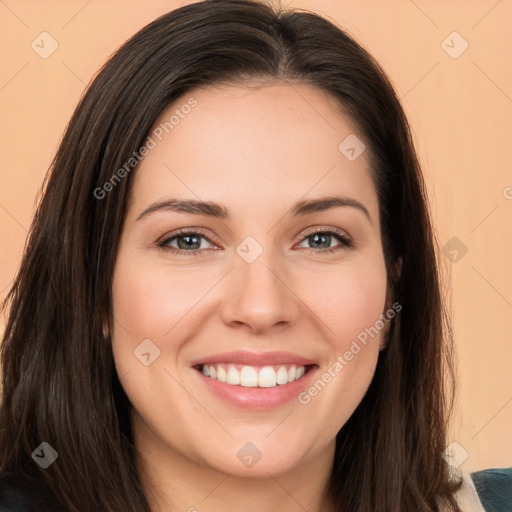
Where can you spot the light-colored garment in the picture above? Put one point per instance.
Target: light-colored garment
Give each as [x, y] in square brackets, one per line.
[467, 497]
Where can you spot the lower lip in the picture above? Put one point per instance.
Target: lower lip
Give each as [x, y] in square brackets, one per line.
[258, 398]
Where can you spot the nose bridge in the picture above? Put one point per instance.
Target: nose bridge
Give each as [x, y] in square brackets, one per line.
[258, 293]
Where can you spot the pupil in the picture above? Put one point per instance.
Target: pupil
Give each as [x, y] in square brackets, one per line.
[188, 239]
[316, 236]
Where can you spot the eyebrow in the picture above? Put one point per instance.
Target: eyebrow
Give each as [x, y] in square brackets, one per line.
[216, 210]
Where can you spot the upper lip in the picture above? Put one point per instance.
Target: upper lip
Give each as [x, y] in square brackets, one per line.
[254, 359]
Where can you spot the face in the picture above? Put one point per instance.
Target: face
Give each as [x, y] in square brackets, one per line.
[241, 332]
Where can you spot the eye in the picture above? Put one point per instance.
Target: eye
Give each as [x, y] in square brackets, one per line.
[324, 238]
[188, 241]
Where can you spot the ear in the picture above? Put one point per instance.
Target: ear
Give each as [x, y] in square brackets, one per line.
[388, 306]
[398, 266]
[397, 273]
[106, 330]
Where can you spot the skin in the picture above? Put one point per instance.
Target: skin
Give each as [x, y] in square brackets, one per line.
[256, 151]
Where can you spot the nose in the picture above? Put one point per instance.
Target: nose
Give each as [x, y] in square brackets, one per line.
[259, 296]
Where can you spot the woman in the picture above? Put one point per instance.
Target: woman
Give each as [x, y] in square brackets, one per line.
[261, 374]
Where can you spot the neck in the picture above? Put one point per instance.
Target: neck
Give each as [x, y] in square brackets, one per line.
[173, 482]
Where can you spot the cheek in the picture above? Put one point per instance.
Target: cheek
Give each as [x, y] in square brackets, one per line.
[151, 300]
[148, 302]
[349, 308]
[157, 303]
[346, 302]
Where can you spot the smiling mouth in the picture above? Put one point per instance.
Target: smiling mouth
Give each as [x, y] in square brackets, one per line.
[254, 376]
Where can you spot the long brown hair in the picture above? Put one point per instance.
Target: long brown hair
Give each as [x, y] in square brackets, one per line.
[59, 381]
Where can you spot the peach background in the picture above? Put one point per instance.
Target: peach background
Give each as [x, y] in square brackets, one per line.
[460, 112]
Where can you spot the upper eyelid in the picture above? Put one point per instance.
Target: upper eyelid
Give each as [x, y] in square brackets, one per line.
[184, 232]
[320, 229]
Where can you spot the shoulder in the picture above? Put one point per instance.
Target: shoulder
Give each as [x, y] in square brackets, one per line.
[20, 495]
[494, 488]
[15, 496]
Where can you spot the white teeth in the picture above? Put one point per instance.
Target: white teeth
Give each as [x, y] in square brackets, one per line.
[267, 377]
[233, 376]
[282, 376]
[221, 374]
[251, 377]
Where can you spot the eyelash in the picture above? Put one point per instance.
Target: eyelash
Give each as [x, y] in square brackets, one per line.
[345, 241]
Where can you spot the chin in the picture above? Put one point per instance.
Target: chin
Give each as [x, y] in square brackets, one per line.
[258, 458]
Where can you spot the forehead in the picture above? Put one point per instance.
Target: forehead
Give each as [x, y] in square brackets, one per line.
[269, 143]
